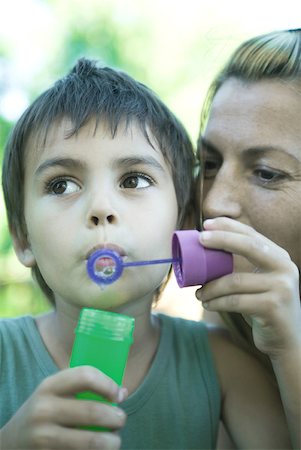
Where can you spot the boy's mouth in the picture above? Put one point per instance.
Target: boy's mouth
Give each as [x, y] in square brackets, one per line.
[109, 246]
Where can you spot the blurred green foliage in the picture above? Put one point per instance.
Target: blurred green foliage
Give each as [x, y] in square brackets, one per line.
[96, 36]
[18, 294]
[137, 36]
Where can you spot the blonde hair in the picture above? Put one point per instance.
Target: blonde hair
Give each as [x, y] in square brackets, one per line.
[272, 56]
[275, 55]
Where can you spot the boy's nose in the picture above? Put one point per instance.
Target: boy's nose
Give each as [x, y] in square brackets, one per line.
[221, 198]
[97, 220]
[101, 211]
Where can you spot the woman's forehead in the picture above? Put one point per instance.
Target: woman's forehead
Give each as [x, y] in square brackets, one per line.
[268, 94]
[263, 114]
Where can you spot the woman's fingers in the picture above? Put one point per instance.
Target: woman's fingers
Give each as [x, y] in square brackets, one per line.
[248, 283]
[240, 239]
[234, 283]
[227, 224]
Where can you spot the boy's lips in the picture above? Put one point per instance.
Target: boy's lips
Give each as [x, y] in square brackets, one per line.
[109, 246]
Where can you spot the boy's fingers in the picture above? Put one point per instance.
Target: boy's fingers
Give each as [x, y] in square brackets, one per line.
[55, 437]
[70, 413]
[83, 378]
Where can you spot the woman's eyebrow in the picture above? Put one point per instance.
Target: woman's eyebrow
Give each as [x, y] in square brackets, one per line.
[209, 146]
[68, 163]
[259, 151]
[254, 152]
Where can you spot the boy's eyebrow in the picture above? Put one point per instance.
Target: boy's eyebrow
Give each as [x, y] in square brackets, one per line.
[68, 163]
[71, 163]
[139, 160]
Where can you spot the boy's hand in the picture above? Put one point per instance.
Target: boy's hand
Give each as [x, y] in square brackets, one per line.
[268, 296]
[51, 418]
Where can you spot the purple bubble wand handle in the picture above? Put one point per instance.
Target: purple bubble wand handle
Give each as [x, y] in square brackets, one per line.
[192, 263]
[152, 261]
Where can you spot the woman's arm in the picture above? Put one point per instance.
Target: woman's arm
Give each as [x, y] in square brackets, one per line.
[269, 299]
[252, 412]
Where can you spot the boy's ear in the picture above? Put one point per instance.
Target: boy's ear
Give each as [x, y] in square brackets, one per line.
[23, 251]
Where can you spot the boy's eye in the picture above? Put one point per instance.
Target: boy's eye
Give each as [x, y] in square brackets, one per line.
[62, 186]
[136, 181]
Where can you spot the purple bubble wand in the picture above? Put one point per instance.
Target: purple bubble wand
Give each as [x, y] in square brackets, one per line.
[192, 263]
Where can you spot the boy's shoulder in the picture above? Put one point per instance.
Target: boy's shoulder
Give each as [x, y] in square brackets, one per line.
[182, 325]
[189, 337]
[22, 346]
[15, 325]
[20, 340]
[16, 335]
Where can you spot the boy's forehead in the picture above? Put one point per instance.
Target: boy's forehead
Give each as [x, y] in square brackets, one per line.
[60, 131]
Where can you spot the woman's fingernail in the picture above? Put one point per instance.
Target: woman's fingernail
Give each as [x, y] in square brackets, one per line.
[198, 294]
[208, 222]
[205, 235]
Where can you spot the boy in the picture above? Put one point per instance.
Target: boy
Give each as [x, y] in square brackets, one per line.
[98, 161]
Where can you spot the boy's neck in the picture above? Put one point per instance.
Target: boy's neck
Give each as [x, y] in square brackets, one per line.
[57, 331]
[58, 336]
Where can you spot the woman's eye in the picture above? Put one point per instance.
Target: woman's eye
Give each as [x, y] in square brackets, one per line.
[211, 167]
[268, 175]
[62, 186]
[136, 181]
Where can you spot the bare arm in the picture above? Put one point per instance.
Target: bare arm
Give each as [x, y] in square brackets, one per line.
[269, 299]
[287, 368]
[252, 411]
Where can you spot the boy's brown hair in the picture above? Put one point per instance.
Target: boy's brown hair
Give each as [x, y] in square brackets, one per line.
[105, 95]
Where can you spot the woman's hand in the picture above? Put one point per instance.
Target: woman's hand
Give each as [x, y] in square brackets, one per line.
[268, 295]
[51, 418]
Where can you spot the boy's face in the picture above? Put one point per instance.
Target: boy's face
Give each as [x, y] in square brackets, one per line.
[91, 191]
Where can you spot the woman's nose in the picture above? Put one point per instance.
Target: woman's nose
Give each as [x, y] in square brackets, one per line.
[221, 197]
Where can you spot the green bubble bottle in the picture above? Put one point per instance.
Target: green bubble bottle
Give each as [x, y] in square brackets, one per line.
[102, 340]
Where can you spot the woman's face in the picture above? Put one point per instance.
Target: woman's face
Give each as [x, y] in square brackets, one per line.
[252, 159]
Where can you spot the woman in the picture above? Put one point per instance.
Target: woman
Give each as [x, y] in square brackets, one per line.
[250, 155]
